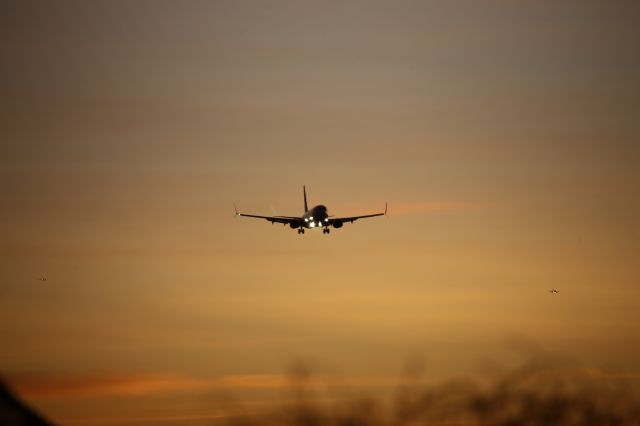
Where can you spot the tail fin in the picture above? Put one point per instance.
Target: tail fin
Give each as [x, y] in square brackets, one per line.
[304, 190]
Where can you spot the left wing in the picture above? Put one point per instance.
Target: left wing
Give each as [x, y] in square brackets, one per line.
[341, 220]
[273, 219]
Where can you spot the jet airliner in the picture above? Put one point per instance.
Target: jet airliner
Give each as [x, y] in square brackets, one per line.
[316, 217]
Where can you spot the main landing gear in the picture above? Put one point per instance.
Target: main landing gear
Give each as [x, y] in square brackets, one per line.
[324, 231]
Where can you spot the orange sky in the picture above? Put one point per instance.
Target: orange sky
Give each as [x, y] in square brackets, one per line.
[503, 134]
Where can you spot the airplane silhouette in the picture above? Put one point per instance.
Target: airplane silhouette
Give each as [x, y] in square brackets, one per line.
[317, 217]
[553, 291]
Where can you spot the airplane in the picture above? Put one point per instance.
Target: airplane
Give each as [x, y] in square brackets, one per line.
[317, 217]
[553, 291]
[43, 279]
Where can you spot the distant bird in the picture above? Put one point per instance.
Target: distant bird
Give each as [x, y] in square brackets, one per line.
[553, 291]
[43, 279]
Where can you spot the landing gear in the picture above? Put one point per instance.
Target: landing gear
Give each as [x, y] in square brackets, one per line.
[300, 230]
[326, 230]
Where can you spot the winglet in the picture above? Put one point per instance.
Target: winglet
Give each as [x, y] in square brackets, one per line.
[236, 209]
[385, 209]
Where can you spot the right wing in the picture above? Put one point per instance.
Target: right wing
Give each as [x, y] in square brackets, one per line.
[273, 219]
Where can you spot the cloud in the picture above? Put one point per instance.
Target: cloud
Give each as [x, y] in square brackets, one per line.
[89, 385]
[99, 385]
[546, 389]
[417, 208]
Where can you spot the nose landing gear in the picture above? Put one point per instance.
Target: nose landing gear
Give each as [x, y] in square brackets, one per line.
[326, 230]
[300, 230]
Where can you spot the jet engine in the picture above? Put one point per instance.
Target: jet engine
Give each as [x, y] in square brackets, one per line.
[295, 224]
[337, 223]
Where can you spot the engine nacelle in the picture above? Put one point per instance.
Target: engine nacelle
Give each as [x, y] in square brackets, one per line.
[295, 225]
[337, 223]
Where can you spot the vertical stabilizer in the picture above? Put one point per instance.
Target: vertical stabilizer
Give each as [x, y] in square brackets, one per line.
[304, 191]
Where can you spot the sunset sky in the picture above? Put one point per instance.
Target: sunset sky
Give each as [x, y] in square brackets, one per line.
[505, 136]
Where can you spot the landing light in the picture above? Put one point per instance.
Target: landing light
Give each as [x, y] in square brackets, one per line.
[312, 224]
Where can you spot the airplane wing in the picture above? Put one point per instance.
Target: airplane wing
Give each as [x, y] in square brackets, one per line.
[272, 219]
[341, 220]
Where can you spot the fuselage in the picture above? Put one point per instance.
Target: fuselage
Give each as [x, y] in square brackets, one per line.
[315, 217]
